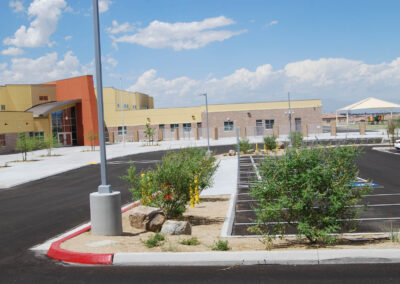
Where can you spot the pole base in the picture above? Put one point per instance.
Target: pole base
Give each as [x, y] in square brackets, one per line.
[105, 213]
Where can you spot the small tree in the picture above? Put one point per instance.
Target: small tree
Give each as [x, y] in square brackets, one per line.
[26, 144]
[92, 137]
[149, 133]
[50, 142]
[311, 190]
[391, 129]
[270, 142]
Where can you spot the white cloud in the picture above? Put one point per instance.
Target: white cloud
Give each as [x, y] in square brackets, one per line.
[45, 68]
[104, 5]
[112, 61]
[120, 28]
[190, 35]
[68, 37]
[46, 14]
[12, 51]
[17, 6]
[336, 81]
[274, 22]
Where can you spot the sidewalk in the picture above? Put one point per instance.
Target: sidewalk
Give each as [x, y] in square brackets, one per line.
[79, 156]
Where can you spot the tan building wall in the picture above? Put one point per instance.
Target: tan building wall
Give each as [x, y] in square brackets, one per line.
[23, 97]
[16, 122]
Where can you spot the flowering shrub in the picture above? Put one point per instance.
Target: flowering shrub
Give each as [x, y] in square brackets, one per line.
[178, 180]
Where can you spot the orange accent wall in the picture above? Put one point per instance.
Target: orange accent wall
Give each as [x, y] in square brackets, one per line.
[86, 112]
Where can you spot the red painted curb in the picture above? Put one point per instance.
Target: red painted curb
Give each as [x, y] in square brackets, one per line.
[55, 251]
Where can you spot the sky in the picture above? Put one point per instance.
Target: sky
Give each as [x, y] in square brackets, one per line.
[234, 50]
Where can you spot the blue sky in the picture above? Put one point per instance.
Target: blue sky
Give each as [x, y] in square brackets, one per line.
[236, 51]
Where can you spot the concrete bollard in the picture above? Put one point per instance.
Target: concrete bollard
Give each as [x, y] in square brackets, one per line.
[176, 133]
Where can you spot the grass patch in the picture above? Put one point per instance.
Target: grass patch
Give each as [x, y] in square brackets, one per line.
[154, 241]
[190, 242]
[221, 245]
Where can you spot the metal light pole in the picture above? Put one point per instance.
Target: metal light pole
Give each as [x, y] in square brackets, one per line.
[105, 204]
[122, 114]
[208, 129]
[290, 122]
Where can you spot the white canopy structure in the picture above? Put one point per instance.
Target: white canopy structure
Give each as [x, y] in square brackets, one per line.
[368, 103]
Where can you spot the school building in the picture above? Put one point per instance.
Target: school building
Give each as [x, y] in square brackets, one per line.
[67, 109]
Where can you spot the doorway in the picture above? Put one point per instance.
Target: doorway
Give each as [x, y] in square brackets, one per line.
[65, 138]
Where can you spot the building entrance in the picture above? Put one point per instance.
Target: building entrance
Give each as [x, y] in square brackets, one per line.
[65, 138]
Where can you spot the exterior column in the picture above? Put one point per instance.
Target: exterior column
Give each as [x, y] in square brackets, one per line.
[160, 135]
[196, 133]
[243, 133]
[276, 130]
[304, 129]
[176, 133]
[136, 136]
[363, 127]
[215, 133]
[333, 128]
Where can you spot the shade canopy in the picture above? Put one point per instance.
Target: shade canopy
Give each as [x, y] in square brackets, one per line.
[370, 103]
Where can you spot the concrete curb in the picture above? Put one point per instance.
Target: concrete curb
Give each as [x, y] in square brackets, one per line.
[55, 251]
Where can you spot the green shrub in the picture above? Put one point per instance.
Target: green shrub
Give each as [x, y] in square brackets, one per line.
[244, 145]
[154, 241]
[270, 142]
[297, 139]
[221, 245]
[171, 180]
[193, 241]
[309, 189]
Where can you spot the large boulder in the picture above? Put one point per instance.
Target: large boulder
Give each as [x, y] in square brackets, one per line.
[147, 218]
[172, 227]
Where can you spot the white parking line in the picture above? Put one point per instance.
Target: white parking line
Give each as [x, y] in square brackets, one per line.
[295, 222]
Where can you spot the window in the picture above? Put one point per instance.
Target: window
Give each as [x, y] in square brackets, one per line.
[117, 105]
[2, 140]
[43, 98]
[269, 123]
[173, 126]
[228, 125]
[133, 106]
[121, 130]
[39, 135]
[161, 126]
[3, 107]
[187, 127]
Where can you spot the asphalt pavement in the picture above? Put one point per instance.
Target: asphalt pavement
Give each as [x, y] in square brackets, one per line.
[36, 211]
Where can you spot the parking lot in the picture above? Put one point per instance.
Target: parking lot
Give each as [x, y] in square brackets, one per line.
[382, 204]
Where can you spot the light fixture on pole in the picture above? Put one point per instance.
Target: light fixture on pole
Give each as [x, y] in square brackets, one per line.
[208, 128]
[105, 204]
[290, 121]
[122, 114]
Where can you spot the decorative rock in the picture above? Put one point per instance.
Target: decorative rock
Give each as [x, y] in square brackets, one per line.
[232, 153]
[171, 227]
[148, 218]
[281, 145]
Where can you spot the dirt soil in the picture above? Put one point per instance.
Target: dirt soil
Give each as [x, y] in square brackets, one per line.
[207, 219]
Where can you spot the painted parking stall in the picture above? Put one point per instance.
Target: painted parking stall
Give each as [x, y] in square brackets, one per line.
[382, 212]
